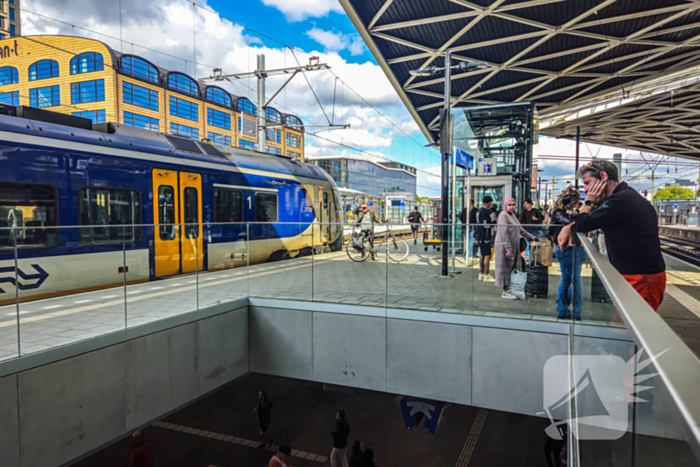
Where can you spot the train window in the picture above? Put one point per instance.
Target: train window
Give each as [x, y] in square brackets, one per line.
[228, 206]
[166, 212]
[325, 200]
[265, 207]
[105, 208]
[33, 206]
[191, 213]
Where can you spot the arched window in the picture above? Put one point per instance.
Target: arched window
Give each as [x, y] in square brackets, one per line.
[183, 84]
[8, 75]
[86, 62]
[218, 96]
[43, 69]
[244, 105]
[273, 115]
[292, 120]
[139, 68]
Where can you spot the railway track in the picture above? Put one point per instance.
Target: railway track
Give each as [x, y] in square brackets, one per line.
[681, 248]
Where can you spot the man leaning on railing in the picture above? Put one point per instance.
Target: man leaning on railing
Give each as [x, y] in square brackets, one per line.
[630, 226]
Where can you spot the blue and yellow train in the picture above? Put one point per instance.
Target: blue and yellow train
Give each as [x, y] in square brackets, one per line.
[91, 206]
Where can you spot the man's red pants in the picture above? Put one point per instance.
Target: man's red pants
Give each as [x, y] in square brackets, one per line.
[650, 286]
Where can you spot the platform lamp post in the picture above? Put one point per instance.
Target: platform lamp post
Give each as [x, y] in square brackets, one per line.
[446, 137]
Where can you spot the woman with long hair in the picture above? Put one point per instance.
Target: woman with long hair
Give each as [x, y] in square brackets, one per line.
[571, 258]
[507, 244]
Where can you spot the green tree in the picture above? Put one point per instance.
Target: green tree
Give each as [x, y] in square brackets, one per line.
[674, 192]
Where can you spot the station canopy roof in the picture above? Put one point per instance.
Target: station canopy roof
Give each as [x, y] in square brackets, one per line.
[626, 71]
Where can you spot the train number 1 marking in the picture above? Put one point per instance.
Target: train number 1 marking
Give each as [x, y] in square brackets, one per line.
[250, 204]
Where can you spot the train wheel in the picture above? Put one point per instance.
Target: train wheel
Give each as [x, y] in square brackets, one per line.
[356, 255]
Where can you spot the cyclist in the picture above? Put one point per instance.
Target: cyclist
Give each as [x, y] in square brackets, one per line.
[366, 219]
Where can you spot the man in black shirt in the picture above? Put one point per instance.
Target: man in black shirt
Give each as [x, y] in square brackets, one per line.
[415, 218]
[264, 411]
[630, 226]
[483, 237]
[530, 216]
[340, 440]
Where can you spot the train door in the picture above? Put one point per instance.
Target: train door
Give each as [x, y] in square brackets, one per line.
[177, 200]
[324, 198]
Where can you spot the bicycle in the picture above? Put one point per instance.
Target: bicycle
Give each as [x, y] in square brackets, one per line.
[395, 248]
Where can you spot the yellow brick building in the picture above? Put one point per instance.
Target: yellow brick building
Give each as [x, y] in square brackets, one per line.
[87, 78]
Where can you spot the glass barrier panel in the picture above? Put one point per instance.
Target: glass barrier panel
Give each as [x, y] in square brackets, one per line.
[280, 259]
[71, 285]
[168, 286]
[224, 277]
[336, 273]
[9, 307]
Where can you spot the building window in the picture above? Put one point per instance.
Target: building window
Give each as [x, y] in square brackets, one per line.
[139, 96]
[245, 105]
[217, 118]
[274, 135]
[219, 139]
[294, 155]
[108, 208]
[247, 145]
[182, 130]
[218, 96]
[43, 69]
[86, 63]
[292, 120]
[8, 75]
[273, 115]
[141, 121]
[87, 91]
[12, 14]
[2, 19]
[12, 30]
[139, 68]
[28, 205]
[183, 84]
[184, 109]
[97, 116]
[228, 206]
[45, 97]
[247, 127]
[9, 98]
[265, 207]
[293, 140]
[272, 150]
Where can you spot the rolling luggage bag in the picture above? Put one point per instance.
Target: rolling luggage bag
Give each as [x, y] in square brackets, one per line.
[537, 283]
[598, 292]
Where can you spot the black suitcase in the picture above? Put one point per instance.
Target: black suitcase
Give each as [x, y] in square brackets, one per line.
[537, 283]
[598, 292]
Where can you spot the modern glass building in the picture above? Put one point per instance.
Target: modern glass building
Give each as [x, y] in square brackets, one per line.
[373, 178]
[87, 78]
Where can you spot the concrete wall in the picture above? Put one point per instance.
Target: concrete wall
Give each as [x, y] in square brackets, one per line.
[54, 413]
[480, 366]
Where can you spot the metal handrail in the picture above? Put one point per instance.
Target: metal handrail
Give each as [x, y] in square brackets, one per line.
[679, 368]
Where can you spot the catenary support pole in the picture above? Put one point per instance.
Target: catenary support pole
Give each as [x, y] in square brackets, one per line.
[578, 143]
[261, 102]
[445, 163]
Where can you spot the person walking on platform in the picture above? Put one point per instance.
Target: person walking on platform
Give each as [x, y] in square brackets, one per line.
[264, 411]
[367, 219]
[415, 218]
[630, 226]
[340, 440]
[280, 457]
[507, 245]
[484, 238]
[358, 449]
[570, 258]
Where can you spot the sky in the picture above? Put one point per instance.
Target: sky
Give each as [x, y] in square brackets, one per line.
[178, 35]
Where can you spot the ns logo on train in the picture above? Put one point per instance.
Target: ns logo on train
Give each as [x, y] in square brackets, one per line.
[23, 280]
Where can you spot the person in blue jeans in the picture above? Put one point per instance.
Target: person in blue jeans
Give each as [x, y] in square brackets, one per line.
[570, 258]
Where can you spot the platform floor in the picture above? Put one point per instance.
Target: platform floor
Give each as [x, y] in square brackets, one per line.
[331, 278]
[221, 430]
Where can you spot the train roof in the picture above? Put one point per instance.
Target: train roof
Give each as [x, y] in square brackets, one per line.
[46, 124]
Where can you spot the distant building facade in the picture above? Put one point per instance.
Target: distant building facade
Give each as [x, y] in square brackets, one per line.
[87, 78]
[9, 19]
[374, 178]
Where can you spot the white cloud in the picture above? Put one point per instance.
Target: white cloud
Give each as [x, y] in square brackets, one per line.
[298, 10]
[337, 41]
